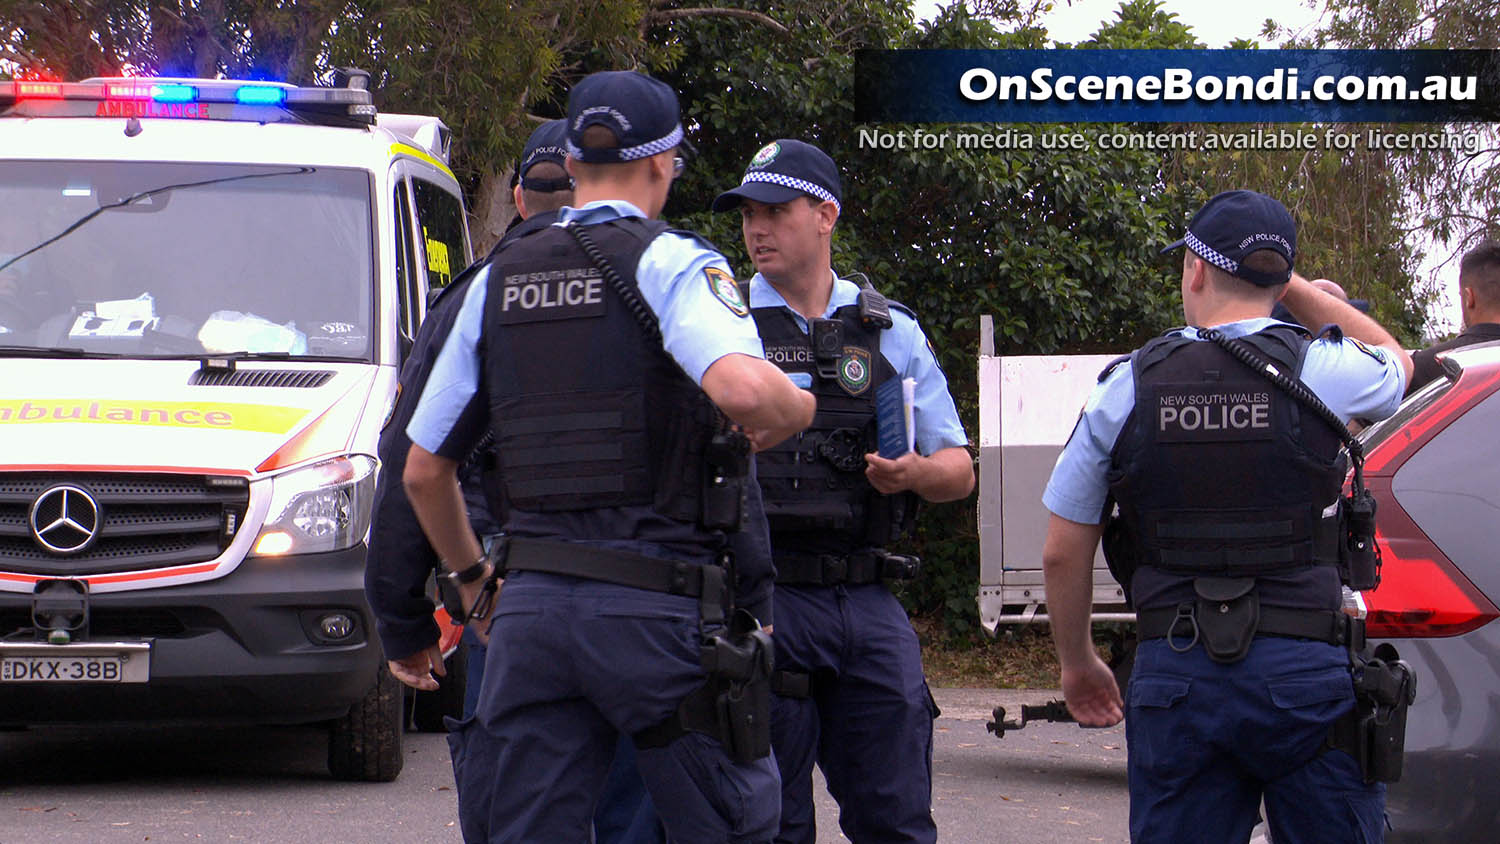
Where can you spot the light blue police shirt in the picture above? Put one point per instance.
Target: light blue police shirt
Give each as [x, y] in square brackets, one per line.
[698, 327]
[1353, 379]
[905, 347]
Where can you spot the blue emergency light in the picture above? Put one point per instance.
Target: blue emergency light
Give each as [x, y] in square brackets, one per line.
[171, 92]
[259, 95]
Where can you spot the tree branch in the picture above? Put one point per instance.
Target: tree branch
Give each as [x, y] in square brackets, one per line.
[654, 17]
[18, 54]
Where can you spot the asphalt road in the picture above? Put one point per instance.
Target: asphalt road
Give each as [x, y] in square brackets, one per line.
[1046, 783]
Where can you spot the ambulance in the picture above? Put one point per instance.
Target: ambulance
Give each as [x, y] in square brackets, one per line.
[207, 288]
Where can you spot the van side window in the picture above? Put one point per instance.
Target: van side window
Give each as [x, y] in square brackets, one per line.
[405, 267]
[441, 217]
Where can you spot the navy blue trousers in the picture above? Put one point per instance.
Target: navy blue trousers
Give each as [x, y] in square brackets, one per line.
[1208, 741]
[625, 813]
[868, 723]
[572, 665]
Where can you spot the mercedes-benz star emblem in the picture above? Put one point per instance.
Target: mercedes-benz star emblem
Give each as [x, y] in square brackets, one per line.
[65, 519]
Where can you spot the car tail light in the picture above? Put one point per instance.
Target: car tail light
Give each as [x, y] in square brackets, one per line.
[1422, 594]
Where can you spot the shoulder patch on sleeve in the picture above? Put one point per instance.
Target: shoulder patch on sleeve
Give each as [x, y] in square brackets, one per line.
[726, 290]
[1373, 351]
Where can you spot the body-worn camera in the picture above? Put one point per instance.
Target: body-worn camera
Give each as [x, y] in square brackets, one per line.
[828, 344]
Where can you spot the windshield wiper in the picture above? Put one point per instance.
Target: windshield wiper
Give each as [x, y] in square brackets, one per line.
[244, 355]
[41, 352]
[145, 194]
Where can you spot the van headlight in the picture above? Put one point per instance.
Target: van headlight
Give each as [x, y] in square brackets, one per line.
[323, 507]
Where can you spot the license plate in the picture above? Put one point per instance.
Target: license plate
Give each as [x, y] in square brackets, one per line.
[39, 663]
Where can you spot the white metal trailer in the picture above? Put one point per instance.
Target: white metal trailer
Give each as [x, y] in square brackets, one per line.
[1028, 405]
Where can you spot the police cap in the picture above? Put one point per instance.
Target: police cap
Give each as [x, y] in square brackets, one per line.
[641, 111]
[1234, 224]
[548, 143]
[782, 171]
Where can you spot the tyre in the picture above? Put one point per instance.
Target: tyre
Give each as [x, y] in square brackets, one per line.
[365, 745]
[429, 708]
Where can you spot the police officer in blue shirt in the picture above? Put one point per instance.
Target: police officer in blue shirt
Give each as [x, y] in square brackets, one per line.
[851, 694]
[401, 558]
[604, 355]
[1227, 542]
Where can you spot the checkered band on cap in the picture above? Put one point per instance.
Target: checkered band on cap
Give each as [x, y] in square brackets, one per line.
[791, 182]
[674, 138]
[1208, 253]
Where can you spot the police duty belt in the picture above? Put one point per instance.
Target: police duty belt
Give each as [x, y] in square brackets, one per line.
[623, 568]
[861, 567]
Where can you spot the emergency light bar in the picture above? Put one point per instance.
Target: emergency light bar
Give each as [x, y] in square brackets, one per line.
[202, 99]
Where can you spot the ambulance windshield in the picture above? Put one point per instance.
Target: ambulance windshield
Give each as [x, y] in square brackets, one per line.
[133, 258]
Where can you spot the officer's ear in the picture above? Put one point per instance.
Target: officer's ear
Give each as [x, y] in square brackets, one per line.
[665, 166]
[1194, 272]
[827, 215]
[515, 193]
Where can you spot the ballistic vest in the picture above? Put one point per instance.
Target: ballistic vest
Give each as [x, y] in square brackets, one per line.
[816, 496]
[599, 434]
[1217, 472]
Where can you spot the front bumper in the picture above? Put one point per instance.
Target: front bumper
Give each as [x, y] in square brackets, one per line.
[246, 647]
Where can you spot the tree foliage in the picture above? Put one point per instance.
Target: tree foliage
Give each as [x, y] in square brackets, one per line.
[1449, 196]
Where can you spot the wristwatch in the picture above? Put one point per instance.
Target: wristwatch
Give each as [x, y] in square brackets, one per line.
[464, 577]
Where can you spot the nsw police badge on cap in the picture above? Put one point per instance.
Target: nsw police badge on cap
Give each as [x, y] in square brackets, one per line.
[854, 370]
[726, 290]
[766, 155]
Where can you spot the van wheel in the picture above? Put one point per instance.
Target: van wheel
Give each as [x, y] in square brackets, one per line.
[365, 745]
[429, 708]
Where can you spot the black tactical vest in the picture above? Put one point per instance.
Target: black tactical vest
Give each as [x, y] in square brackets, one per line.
[816, 496]
[588, 412]
[1217, 472]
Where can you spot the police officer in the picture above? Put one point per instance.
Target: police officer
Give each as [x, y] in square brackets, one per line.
[851, 695]
[602, 354]
[401, 560]
[1479, 304]
[1226, 487]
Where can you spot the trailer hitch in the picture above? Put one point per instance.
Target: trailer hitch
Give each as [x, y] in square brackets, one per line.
[1052, 710]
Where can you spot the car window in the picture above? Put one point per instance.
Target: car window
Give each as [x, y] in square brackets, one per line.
[1451, 490]
[1410, 407]
[441, 217]
[406, 270]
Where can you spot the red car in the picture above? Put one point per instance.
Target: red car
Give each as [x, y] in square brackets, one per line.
[1434, 468]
